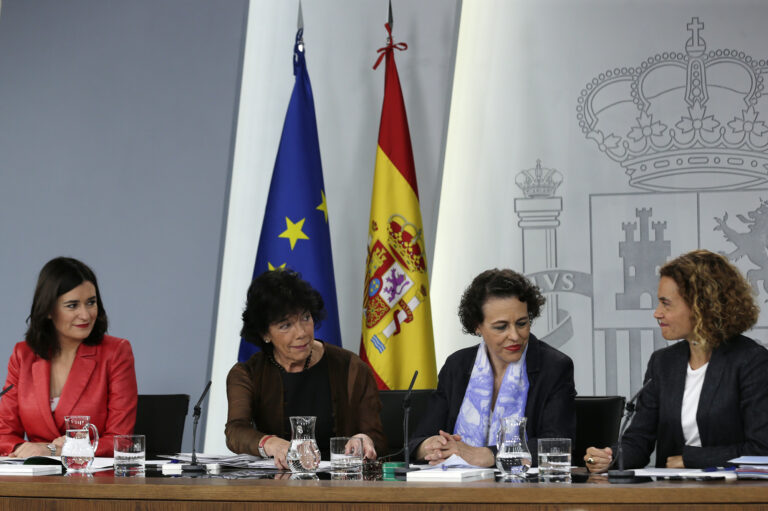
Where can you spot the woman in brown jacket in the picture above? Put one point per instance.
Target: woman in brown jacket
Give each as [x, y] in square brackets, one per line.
[296, 374]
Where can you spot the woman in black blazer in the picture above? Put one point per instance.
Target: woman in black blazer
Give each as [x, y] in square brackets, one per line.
[707, 400]
[523, 376]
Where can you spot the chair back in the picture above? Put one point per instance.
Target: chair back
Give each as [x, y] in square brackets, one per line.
[392, 416]
[597, 423]
[161, 417]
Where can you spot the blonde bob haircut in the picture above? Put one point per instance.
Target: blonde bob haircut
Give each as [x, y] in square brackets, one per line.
[720, 298]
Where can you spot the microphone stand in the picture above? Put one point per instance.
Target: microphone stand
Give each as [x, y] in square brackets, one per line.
[621, 475]
[402, 471]
[406, 413]
[196, 467]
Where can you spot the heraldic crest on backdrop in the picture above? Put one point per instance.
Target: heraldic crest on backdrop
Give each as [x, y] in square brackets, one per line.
[688, 127]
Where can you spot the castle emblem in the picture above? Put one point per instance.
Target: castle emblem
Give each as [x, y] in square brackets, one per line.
[642, 259]
[682, 121]
[753, 243]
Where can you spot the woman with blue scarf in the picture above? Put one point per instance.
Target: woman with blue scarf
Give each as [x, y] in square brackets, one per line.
[510, 373]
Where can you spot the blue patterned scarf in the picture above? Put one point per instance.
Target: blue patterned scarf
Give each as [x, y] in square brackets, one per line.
[476, 424]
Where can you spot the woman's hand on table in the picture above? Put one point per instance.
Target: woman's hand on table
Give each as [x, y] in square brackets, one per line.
[277, 448]
[598, 460]
[59, 443]
[369, 451]
[432, 447]
[29, 449]
[675, 462]
[440, 447]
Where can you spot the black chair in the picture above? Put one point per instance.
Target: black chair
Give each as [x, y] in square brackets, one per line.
[597, 423]
[161, 417]
[392, 416]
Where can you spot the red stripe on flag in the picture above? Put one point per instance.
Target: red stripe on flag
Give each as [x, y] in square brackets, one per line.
[364, 357]
[394, 136]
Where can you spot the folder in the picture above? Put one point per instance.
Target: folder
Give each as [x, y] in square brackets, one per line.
[29, 470]
[451, 474]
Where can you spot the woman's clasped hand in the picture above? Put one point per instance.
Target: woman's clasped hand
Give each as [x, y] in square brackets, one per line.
[598, 460]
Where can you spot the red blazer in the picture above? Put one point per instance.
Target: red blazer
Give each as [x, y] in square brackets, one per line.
[101, 384]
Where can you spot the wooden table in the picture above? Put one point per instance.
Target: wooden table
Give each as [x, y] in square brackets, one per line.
[169, 494]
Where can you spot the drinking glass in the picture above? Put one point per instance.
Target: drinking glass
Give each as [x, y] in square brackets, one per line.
[555, 459]
[77, 451]
[130, 455]
[346, 458]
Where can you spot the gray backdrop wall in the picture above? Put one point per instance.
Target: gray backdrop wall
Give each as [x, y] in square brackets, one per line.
[116, 130]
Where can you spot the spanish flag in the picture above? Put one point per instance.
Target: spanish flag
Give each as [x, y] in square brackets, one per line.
[397, 321]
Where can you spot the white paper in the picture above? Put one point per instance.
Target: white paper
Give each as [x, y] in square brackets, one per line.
[750, 460]
[692, 473]
[454, 461]
[228, 460]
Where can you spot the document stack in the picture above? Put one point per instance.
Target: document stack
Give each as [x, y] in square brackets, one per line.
[751, 467]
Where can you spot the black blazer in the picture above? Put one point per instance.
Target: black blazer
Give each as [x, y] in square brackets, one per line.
[732, 414]
[549, 406]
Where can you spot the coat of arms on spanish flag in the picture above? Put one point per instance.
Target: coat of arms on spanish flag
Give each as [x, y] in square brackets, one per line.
[397, 320]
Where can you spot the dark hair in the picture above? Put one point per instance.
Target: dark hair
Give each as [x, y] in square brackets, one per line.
[720, 298]
[274, 295]
[59, 276]
[497, 284]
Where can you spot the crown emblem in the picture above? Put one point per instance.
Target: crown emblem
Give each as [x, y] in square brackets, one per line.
[405, 240]
[538, 182]
[682, 121]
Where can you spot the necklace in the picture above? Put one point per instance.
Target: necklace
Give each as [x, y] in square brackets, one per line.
[274, 362]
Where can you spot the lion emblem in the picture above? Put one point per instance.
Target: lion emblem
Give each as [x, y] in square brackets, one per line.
[753, 243]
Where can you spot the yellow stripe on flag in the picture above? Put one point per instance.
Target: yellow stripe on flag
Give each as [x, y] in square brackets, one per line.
[397, 318]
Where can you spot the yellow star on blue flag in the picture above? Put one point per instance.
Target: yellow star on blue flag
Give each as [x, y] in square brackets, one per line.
[293, 231]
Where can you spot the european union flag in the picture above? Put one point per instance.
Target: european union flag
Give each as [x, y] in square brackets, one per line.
[295, 231]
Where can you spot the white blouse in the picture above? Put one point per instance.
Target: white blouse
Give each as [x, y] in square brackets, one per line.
[694, 380]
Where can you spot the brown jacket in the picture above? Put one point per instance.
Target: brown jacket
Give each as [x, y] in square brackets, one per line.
[255, 396]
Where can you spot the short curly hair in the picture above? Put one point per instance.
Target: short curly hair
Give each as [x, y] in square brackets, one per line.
[720, 298]
[497, 283]
[274, 295]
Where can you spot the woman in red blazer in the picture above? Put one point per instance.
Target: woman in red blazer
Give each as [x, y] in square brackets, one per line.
[66, 366]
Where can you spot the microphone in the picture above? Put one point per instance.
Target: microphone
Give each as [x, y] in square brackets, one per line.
[406, 413]
[400, 472]
[621, 475]
[9, 387]
[197, 411]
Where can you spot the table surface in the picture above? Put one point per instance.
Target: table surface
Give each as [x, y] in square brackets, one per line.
[597, 491]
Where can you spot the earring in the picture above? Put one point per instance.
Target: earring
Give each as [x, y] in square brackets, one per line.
[267, 340]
